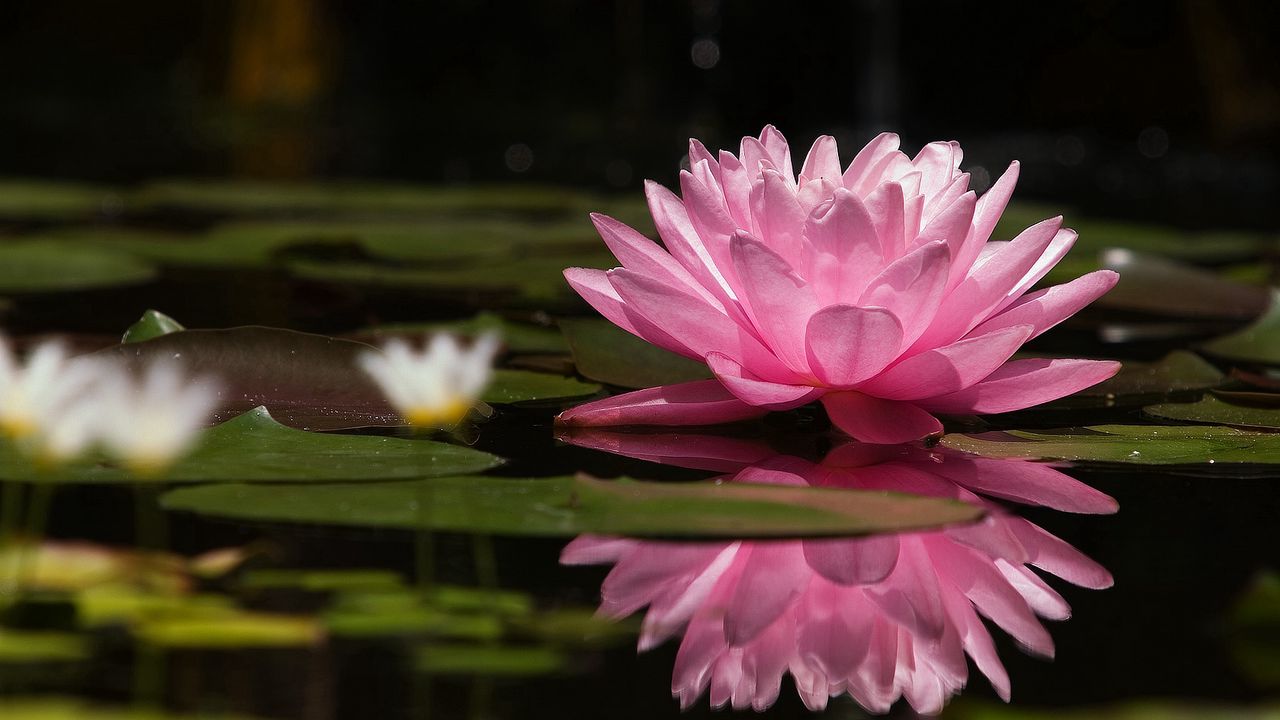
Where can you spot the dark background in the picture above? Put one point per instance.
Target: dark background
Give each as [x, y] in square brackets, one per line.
[1141, 109]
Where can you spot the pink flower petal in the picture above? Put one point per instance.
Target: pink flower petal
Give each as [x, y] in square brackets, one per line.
[1026, 482]
[779, 151]
[683, 449]
[987, 213]
[639, 253]
[779, 219]
[886, 204]
[853, 561]
[1046, 308]
[1022, 384]
[772, 575]
[777, 300]
[823, 160]
[911, 287]
[682, 241]
[704, 402]
[991, 593]
[883, 145]
[951, 225]
[947, 369]
[736, 182]
[754, 391]
[874, 420]
[937, 163]
[1053, 555]
[847, 344]
[844, 249]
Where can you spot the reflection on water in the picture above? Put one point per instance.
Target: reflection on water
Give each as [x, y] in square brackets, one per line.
[878, 618]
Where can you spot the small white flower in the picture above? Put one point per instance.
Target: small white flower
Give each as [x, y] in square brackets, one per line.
[150, 421]
[435, 387]
[34, 394]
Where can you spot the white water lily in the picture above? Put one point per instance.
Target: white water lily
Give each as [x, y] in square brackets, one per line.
[149, 421]
[34, 394]
[437, 386]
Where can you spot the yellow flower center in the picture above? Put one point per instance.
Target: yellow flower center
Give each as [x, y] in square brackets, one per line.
[441, 416]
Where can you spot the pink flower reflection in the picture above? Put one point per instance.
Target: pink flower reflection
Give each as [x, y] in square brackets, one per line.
[881, 617]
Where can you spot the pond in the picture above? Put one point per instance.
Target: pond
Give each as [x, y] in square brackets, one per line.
[313, 557]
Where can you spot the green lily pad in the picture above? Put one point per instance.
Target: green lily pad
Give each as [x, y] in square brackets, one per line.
[565, 506]
[264, 197]
[31, 266]
[153, 323]
[322, 581]
[489, 659]
[518, 386]
[1161, 286]
[606, 353]
[255, 448]
[230, 630]
[535, 276]
[406, 614]
[40, 647]
[1141, 382]
[307, 381]
[1258, 343]
[1217, 411]
[49, 200]
[1129, 444]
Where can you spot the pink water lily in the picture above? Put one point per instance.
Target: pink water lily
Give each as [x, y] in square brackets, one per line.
[874, 288]
[880, 618]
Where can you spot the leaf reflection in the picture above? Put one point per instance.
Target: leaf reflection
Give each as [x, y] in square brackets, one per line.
[878, 618]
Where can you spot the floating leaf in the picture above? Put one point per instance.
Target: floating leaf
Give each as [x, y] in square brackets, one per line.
[564, 506]
[516, 386]
[264, 197]
[606, 353]
[1140, 382]
[322, 581]
[232, 629]
[489, 659]
[1161, 286]
[1131, 444]
[1258, 343]
[54, 200]
[1217, 411]
[307, 381]
[40, 647]
[255, 448]
[48, 266]
[403, 614]
[533, 277]
[153, 323]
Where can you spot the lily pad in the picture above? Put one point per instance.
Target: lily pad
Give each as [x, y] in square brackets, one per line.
[566, 506]
[606, 353]
[1140, 710]
[489, 659]
[153, 323]
[31, 266]
[1141, 382]
[1160, 286]
[46, 200]
[255, 448]
[40, 647]
[1129, 444]
[322, 581]
[307, 381]
[518, 386]
[264, 197]
[230, 630]
[1217, 411]
[1259, 343]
